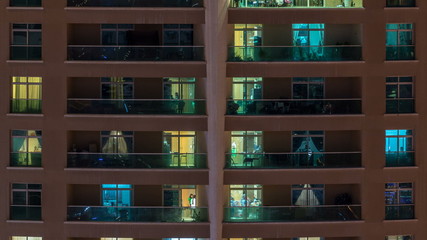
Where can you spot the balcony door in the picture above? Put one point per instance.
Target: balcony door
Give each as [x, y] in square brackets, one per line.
[117, 195]
[247, 198]
[117, 88]
[307, 39]
[308, 194]
[181, 145]
[308, 88]
[117, 141]
[309, 146]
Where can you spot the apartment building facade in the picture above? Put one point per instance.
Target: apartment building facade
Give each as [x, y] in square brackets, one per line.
[225, 119]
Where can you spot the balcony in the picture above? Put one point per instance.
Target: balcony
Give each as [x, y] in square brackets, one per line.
[293, 160]
[136, 106]
[32, 213]
[400, 106]
[400, 3]
[296, 4]
[295, 54]
[25, 53]
[292, 214]
[137, 214]
[394, 53]
[400, 159]
[135, 53]
[135, 3]
[26, 159]
[29, 106]
[401, 212]
[25, 3]
[294, 106]
[137, 160]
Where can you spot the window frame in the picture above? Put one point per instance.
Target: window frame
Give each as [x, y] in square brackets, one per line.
[27, 191]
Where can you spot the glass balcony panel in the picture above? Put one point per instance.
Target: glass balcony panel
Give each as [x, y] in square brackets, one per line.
[137, 214]
[294, 160]
[135, 3]
[399, 212]
[26, 159]
[400, 53]
[294, 107]
[400, 159]
[137, 106]
[296, 3]
[25, 53]
[400, 3]
[26, 213]
[33, 106]
[135, 53]
[293, 214]
[137, 160]
[295, 54]
[25, 3]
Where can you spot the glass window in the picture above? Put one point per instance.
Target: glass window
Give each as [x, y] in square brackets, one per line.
[309, 3]
[246, 146]
[117, 88]
[399, 201]
[305, 34]
[179, 195]
[178, 34]
[25, 3]
[400, 95]
[116, 34]
[26, 148]
[308, 194]
[24, 194]
[399, 147]
[179, 88]
[400, 41]
[117, 141]
[26, 95]
[25, 238]
[399, 237]
[245, 195]
[26, 41]
[308, 88]
[117, 195]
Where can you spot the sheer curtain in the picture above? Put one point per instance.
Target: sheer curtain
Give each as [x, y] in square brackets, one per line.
[116, 143]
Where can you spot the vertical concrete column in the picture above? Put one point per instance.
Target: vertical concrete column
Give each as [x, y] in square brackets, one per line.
[54, 198]
[216, 56]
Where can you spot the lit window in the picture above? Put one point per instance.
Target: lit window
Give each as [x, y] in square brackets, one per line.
[399, 148]
[26, 148]
[26, 95]
[399, 237]
[399, 201]
[26, 238]
[114, 195]
[400, 41]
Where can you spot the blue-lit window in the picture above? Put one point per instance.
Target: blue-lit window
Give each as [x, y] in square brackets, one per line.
[117, 195]
[400, 41]
[399, 148]
[399, 140]
[399, 201]
[305, 34]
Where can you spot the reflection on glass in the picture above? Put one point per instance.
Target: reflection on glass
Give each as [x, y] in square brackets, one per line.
[116, 195]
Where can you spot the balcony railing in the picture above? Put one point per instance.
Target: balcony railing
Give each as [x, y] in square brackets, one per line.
[137, 160]
[32, 106]
[135, 3]
[400, 3]
[399, 212]
[25, 53]
[295, 53]
[293, 213]
[135, 53]
[400, 159]
[33, 213]
[137, 214]
[400, 53]
[294, 106]
[294, 160]
[25, 3]
[26, 159]
[400, 105]
[295, 4]
[137, 106]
